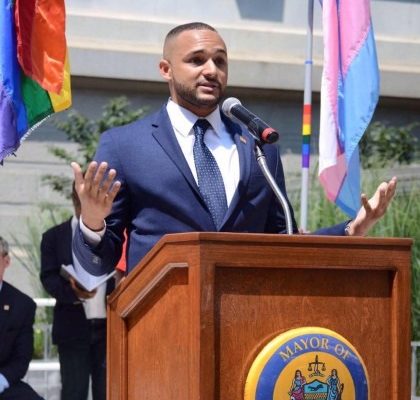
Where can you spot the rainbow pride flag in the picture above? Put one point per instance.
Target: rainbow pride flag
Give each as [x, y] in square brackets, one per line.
[34, 68]
[349, 94]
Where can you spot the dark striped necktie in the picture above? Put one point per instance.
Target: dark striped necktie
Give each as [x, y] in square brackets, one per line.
[210, 181]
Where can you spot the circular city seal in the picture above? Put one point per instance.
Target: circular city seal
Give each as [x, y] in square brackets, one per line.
[309, 363]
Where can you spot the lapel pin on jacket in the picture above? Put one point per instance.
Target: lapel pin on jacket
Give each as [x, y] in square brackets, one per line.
[6, 307]
[242, 139]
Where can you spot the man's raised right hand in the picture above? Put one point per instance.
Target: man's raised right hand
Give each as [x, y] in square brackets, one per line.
[96, 189]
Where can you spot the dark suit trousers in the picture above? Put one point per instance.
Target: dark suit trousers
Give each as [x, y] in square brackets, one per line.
[20, 391]
[81, 360]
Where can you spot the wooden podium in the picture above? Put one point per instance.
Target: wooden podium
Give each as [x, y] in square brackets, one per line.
[190, 319]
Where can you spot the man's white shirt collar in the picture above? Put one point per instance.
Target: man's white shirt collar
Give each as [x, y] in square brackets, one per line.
[183, 119]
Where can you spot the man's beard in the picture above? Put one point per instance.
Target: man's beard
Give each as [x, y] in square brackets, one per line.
[190, 96]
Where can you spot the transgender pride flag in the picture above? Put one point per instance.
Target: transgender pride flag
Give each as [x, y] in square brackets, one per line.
[349, 93]
[34, 72]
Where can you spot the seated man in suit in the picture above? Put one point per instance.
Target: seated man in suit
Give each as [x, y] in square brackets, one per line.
[79, 324]
[17, 314]
[186, 167]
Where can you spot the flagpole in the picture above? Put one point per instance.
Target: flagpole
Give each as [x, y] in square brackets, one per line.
[307, 120]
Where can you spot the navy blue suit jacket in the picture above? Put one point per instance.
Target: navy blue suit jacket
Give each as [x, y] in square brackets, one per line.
[69, 323]
[159, 194]
[17, 314]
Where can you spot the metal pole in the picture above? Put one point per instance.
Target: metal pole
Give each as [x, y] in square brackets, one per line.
[307, 120]
[260, 157]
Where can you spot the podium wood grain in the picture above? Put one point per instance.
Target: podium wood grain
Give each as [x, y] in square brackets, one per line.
[190, 319]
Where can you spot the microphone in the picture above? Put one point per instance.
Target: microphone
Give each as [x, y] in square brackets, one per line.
[232, 107]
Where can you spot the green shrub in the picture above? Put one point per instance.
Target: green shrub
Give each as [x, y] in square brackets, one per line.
[401, 220]
[86, 133]
[384, 145]
[43, 347]
[29, 253]
[38, 344]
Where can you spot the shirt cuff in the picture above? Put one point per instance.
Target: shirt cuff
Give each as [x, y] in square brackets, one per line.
[91, 237]
[347, 228]
[4, 384]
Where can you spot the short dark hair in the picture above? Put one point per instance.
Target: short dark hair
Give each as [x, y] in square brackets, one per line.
[190, 26]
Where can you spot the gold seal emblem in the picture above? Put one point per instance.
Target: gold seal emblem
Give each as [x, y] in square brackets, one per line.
[309, 363]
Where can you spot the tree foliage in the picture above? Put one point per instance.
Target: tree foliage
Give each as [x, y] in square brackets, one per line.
[384, 145]
[28, 252]
[86, 133]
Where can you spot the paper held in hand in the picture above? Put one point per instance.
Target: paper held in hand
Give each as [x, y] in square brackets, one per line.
[83, 279]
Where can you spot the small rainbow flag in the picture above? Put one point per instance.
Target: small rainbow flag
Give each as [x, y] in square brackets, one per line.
[34, 68]
[349, 94]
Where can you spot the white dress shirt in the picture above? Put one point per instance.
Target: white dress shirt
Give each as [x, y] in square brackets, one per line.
[216, 138]
[94, 307]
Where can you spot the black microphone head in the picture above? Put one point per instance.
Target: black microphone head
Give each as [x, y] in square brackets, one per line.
[228, 104]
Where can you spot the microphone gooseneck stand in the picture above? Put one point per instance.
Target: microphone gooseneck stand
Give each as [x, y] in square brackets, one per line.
[260, 156]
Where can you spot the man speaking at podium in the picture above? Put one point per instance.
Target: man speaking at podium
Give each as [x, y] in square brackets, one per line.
[186, 168]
